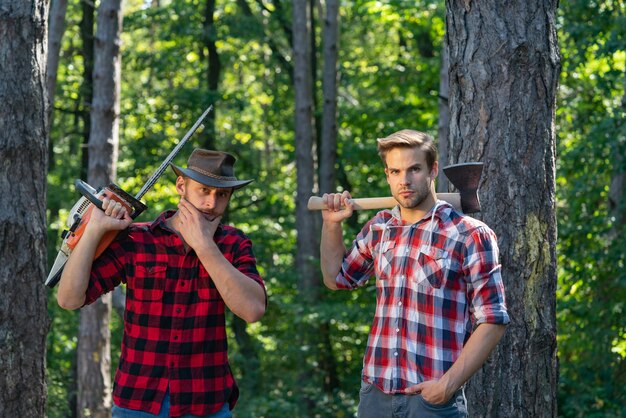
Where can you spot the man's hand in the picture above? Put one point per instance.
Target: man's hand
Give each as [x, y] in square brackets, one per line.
[113, 217]
[433, 391]
[339, 207]
[194, 226]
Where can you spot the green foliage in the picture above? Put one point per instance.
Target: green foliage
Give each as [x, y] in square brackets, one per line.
[592, 146]
[389, 62]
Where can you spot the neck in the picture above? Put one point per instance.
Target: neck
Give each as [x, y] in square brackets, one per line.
[417, 213]
[172, 222]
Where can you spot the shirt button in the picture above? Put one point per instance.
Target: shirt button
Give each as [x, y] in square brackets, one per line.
[178, 310]
[397, 329]
[175, 337]
[399, 303]
[395, 354]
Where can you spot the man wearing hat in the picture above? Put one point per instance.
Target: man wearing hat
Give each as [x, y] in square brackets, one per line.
[180, 271]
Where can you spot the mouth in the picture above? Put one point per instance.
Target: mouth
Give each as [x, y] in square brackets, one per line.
[209, 215]
[406, 193]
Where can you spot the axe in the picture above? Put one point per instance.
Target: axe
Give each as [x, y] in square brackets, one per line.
[464, 177]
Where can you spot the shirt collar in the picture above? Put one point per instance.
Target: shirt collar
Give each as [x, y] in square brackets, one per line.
[442, 209]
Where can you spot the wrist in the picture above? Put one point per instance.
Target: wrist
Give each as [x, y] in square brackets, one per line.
[449, 387]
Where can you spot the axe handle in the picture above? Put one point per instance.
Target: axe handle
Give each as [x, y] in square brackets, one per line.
[316, 203]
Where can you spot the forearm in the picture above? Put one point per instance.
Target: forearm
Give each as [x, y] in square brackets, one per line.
[474, 354]
[243, 296]
[75, 276]
[332, 251]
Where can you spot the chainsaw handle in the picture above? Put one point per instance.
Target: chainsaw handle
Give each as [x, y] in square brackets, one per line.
[87, 191]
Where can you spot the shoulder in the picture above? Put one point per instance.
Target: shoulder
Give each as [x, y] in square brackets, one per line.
[229, 232]
[469, 227]
[381, 218]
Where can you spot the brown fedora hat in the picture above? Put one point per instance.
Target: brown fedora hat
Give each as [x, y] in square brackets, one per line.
[211, 168]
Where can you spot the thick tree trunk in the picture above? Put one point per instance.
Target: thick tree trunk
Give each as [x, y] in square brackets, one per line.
[94, 354]
[23, 153]
[504, 69]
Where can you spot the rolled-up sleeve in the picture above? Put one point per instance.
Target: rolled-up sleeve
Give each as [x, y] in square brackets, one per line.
[482, 271]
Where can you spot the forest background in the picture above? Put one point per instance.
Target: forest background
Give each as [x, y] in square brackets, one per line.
[389, 62]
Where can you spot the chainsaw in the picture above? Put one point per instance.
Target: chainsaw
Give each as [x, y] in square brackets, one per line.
[80, 213]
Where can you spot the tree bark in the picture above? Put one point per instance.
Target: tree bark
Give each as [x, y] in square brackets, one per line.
[55, 35]
[214, 69]
[86, 89]
[94, 354]
[23, 152]
[504, 69]
[328, 146]
[304, 133]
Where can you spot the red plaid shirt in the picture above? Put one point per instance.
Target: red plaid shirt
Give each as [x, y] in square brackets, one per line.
[174, 333]
[435, 280]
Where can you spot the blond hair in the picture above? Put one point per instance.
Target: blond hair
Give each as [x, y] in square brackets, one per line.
[408, 138]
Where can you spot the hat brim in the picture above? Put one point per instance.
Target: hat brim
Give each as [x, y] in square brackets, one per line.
[210, 181]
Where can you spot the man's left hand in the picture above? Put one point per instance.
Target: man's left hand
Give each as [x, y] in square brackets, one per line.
[195, 228]
[433, 391]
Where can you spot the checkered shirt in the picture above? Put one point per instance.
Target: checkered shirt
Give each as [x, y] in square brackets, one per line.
[174, 331]
[436, 279]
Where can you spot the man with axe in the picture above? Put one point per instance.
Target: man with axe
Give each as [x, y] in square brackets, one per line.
[440, 304]
[181, 272]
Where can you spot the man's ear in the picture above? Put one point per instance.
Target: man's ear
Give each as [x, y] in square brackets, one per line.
[435, 170]
[180, 185]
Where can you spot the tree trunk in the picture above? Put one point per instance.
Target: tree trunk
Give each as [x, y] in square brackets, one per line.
[504, 69]
[306, 241]
[86, 89]
[328, 146]
[327, 161]
[214, 68]
[23, 152]
[306, 250]
[55, 35]
[94, 354]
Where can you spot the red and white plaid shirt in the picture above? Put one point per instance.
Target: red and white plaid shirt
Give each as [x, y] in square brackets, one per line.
[174, 332]
[435, 280]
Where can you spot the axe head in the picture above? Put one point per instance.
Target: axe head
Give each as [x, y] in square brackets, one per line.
[466, 178]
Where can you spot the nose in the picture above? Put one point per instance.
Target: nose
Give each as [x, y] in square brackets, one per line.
[404, 179]
[210, 201]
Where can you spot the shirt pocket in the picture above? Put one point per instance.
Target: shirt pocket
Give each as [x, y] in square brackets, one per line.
[149, 282]
[432, 266]
[384, 259]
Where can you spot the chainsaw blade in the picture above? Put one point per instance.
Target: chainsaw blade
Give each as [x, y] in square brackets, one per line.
[57, 268]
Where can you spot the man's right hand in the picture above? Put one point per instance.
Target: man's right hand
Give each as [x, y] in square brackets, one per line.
[113, 217]
[339, 207]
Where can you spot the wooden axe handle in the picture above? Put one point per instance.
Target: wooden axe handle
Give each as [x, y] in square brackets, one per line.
[315, 202]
